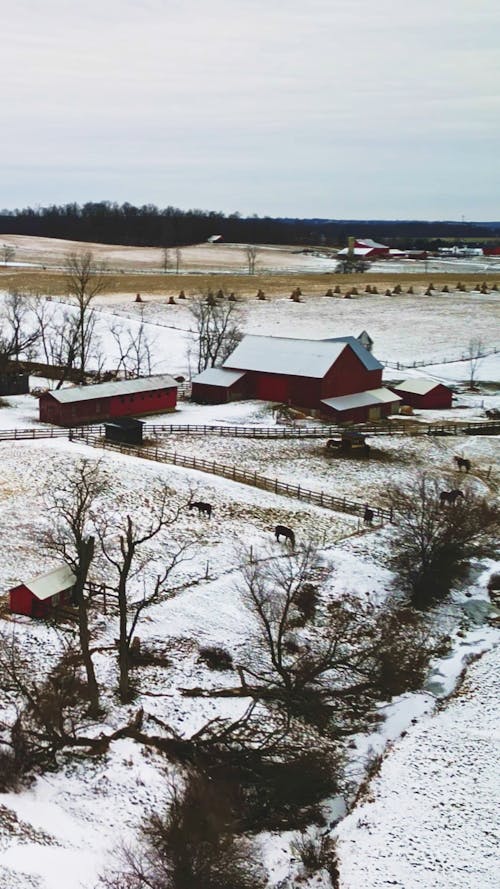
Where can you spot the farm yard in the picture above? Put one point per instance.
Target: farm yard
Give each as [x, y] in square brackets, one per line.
[66, 820]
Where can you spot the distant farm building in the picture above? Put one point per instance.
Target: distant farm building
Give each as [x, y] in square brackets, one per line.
[424, 394]
[39, 596]
[302, 373]
[106, 401]
[364, 248]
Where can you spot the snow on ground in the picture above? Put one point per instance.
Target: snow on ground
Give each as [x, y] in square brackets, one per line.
[69, 820]
[430, 818]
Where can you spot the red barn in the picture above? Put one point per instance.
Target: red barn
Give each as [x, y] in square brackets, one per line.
[299, 372]
[424, 394]
[106, 401]
[39, 596]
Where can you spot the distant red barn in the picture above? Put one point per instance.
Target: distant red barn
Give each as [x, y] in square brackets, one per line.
[106, 401]
[424, 394]
[40, 595]
[292, 371]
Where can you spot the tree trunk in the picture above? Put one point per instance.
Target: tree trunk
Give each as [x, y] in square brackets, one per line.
[85, 559]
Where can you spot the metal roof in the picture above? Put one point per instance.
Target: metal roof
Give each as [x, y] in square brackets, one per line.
[294, 357]
[366, 357]
[219, 376]
[362, 399]
[46, 585]
[108, 390]
[417, 386]
[369, 242]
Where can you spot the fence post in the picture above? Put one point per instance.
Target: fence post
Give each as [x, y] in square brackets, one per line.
[207, 570]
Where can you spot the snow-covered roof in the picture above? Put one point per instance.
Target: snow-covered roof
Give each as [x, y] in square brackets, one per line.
[356, 251]
[108, 390]
[362, 399]
[46, 585]
[219, 376]
[369, 242]
[417, 386]
[294, 357]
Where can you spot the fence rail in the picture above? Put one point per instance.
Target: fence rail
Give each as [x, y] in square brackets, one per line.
[491, 427]
[246, 477]
[427, 362]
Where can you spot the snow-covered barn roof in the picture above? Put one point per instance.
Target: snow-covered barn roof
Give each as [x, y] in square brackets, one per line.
[417, 386]
[108, 390]
[362, 399]
[46, 585]
[294, 357]
[219, 376]
[356, 251]
[369, 242]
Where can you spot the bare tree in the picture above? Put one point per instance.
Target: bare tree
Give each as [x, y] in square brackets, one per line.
[217, 331]
[8, 253]
[85, 279]
[134, 349]
[128, 554]
[475, 355]
[178, 259]
[251, 256]
[18, 332]
[339, 663]
[166, 259]
[432, 543]
[72, 505]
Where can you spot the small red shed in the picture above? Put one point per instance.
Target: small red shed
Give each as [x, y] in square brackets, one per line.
[106, 401]
[40, 595]
[424, 394]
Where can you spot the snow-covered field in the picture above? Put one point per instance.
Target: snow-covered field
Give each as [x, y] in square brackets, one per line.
[429, 821]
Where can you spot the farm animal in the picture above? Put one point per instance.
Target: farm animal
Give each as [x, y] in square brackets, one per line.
[287, 533]
[450, 496]
[203, 508]
[368, 516]
[462, 463]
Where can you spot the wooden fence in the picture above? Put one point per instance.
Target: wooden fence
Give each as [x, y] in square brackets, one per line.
[244, 476]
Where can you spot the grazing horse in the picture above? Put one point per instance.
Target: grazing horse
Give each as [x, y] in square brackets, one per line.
[203, 508]
[450, 496]
[462, 463]
[369, 515]
[287, 533]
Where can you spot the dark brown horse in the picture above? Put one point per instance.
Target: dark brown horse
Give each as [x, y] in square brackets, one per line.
[462, 463]
[203, 508]
[287, 533]
[450, 496]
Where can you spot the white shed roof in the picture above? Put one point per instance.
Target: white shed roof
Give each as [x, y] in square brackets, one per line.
[108, 390]
[356, 251]
[362, 399]
[369, 242]
[219, 376]
[417, 386]
[46, 585]
[294, 357]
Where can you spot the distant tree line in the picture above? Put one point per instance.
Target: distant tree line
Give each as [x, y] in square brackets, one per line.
[150, 226]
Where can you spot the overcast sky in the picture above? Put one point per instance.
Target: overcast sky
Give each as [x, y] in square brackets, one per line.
[333, 108]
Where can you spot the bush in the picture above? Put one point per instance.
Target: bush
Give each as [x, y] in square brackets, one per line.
[216, 658]
[317, 852]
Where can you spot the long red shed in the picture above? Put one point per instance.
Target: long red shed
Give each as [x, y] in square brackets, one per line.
[105, 401]
[424, 394]
[40, 595]
[293, 371]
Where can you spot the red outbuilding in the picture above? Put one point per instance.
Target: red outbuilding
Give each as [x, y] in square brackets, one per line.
[107, 401]
[424, 394]
[299, 372]
[39, 596]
